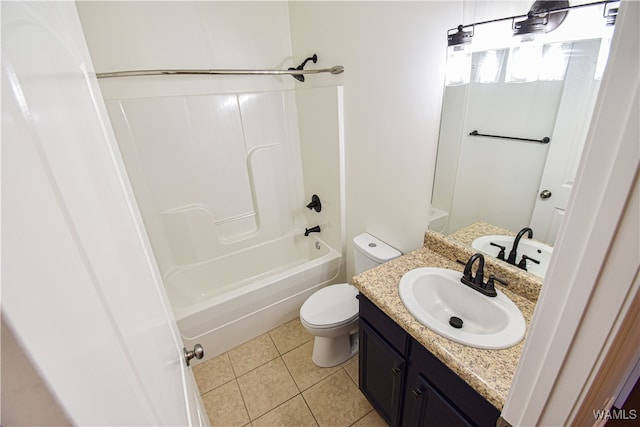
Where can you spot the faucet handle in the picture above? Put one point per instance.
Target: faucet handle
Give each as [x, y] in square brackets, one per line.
[490, 285]
[523, 262]
[500, 255]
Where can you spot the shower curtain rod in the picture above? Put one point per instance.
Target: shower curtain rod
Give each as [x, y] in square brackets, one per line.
[337, 69]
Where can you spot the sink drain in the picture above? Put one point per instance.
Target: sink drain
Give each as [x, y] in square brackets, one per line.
[456, 322]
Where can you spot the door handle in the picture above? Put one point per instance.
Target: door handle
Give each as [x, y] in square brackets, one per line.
[545, 194]
[197, 352]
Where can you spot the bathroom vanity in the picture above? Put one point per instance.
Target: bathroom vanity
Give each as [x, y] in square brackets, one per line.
[415, 377]
[409, 385]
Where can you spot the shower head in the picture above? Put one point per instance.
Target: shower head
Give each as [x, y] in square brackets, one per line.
[300, 67]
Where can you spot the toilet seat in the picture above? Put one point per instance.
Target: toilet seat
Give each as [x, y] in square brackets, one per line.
[331, 307]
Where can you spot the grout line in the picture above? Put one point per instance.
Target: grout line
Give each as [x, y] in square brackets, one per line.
[310, 410]
[291, 375]
[363, 417]
[244, 403]
[259, 366]
[202, 393]
[231, 364]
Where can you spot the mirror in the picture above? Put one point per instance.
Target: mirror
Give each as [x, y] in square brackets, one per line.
[494, 163]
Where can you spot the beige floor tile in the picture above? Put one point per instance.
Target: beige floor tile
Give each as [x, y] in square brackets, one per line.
[213, 373]
[336, 401]
[292, 413]
[304, 372]
[372, 419]
[252, 354]
[290, 335]
[225, 407]
[266, 387]
[351, 366]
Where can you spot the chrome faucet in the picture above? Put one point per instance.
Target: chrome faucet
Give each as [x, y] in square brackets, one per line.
[514, 250]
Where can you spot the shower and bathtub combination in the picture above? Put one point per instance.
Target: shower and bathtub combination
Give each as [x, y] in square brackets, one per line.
[223, 182]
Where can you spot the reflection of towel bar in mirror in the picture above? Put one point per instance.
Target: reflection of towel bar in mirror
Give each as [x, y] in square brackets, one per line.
[544, 140]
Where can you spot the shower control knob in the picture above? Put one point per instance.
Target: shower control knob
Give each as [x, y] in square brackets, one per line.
[197, 352]
[545, 194]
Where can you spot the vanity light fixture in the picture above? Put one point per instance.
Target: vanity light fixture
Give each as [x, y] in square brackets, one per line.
[543, 17]
[458, 56]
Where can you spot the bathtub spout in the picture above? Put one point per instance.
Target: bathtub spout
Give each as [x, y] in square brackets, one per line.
[315, 229]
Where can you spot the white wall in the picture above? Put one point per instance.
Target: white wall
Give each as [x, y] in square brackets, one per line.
[394, 58]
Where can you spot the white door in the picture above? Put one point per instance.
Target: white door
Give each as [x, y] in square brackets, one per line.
[567, 141]
[80, 287]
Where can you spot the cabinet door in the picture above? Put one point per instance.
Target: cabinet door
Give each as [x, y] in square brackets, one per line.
[381, 374]
[428, 407]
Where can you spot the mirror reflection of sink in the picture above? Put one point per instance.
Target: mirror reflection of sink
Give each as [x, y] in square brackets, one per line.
[435, 295]
[531, 248]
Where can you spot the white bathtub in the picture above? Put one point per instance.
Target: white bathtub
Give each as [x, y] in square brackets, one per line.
[229, 300]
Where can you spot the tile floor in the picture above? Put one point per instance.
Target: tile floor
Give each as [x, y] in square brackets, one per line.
[271, 381]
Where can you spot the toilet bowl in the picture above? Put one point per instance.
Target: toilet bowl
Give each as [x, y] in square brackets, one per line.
[331, 313]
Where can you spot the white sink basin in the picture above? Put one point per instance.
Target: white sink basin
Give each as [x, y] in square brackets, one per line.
[434, 295]
[531, 248]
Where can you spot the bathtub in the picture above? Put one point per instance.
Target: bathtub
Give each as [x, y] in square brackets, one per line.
[229, 300]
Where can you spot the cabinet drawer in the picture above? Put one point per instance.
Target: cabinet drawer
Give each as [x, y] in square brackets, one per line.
[392, 333]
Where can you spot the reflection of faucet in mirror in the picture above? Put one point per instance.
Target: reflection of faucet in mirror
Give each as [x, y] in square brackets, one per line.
[514, 249]
[558, 106]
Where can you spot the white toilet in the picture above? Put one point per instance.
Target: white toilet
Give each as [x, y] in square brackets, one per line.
[331, 313]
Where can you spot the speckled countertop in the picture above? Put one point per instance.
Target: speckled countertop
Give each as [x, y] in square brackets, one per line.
[467, 235]
[490, 372]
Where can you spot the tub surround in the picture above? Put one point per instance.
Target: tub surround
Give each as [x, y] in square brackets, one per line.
[489, 372]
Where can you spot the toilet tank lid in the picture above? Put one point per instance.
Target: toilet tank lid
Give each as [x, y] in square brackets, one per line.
[374, 248]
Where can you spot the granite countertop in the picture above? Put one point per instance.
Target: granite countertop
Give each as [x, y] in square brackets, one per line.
[489, 372]
[467, 235]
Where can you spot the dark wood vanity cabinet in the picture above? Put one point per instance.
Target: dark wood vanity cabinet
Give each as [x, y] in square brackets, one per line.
[408, 385]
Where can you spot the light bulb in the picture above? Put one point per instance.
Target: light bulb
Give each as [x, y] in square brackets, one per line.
[524, 61]
[458, 65]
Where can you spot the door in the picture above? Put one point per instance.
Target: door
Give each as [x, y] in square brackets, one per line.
[567, 141]
[80, 288]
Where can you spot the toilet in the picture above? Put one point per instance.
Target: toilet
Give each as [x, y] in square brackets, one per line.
[331, 313]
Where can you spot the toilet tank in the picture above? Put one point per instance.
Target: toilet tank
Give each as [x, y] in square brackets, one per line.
[370, 252]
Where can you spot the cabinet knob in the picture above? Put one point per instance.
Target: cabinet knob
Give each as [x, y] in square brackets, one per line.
[417, 392]
[395, 370]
